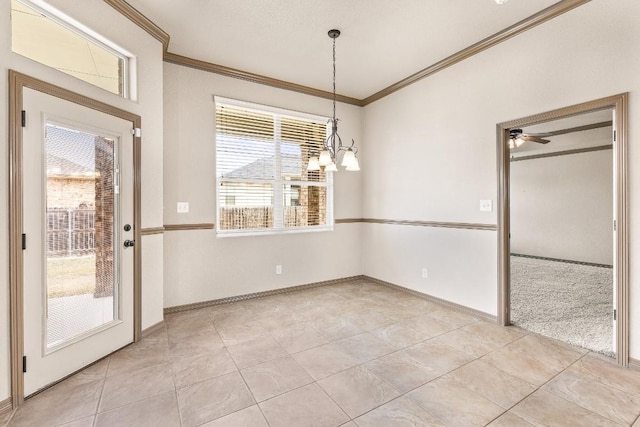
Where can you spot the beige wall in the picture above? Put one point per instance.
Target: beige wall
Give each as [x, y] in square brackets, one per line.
[200, 266]
[103, 19]
[562, 207]
[431, 148]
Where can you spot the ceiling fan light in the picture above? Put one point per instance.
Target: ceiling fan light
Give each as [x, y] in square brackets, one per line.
[354, 166]
[331, 167]
[325, 158]
[501, 1]
[511, 143]
[519, 142]
[314, 164]
[348, 158]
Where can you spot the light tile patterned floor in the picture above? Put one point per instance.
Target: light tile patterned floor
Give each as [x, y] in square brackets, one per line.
[352, 354]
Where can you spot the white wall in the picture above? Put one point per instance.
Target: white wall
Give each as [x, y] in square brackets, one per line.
[562, 207]
[103, 19]
[431, 147]
[200, 266]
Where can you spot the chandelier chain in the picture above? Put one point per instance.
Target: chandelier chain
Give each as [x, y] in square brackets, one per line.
[334, 79]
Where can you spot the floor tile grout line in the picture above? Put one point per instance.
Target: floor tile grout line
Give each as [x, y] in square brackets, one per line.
[246, 385]
[576, 403]
[361, 364]
[104, 383]
[596, 354]
[334, 401]
[464, 364]
[545, 383]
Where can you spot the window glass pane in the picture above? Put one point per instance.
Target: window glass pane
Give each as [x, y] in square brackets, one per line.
[301, 139]
[304, 205]
[44, 40]
[80, 281]
[245, 146]
[245, 206]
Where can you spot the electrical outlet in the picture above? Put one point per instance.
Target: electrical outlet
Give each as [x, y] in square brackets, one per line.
[183, 207]
[486, 205]
[278, 269]
[425, 273]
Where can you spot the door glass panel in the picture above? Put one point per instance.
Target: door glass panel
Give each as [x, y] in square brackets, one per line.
[81, 261]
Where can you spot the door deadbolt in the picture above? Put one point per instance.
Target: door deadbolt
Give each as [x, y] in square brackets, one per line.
[127, 227]
[129, 243]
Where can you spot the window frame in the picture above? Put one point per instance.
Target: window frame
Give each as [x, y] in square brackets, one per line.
[129, 62]
[278, 182]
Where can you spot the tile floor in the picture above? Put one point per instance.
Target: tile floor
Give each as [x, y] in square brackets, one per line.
[352, 354]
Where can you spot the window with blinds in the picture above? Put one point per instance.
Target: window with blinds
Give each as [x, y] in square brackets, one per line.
[263, 185]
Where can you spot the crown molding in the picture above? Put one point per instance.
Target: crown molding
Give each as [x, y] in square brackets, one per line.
[534, 20]
[141, 21]
[255, 78]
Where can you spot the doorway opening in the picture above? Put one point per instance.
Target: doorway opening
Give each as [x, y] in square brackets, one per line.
[563, 251]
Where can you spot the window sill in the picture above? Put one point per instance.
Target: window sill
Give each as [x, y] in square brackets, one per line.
[271, 232]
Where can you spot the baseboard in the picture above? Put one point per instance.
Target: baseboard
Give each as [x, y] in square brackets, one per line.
[152, 329]
[203, 304]
[439, 301]
[6, 406]
[634, 363]
[568, 261]
[436, 300]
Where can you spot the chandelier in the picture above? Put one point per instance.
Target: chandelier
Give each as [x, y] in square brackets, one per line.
[332, 145]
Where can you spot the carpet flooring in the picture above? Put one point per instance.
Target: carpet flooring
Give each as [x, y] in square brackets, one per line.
[569, 302]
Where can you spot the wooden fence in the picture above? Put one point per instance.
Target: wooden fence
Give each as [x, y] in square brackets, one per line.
[257, 217]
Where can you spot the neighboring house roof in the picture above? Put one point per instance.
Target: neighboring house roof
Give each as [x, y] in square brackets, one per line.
[69, 153]
[263, 169]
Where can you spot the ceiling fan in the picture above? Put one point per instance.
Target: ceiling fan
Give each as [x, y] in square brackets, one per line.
[517, 138]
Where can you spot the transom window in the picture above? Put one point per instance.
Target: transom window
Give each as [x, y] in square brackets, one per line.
[263, 185]
[47, 36]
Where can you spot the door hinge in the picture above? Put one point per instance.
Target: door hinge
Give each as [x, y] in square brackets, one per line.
[23, 118]
[614, 225]
[24, 241]
[614, 135]
[24, 363]
[136, 132]
[615, 314]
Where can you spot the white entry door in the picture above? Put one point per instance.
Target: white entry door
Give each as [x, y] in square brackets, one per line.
[78, 215]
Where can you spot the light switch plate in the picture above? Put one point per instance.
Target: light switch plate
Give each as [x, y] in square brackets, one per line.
[486, 205]
[183, 207]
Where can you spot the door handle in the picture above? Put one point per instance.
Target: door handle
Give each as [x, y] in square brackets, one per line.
[129, 243]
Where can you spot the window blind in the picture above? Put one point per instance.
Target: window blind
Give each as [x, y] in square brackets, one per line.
[263, 184]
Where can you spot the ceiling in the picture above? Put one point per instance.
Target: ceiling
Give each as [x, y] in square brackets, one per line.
[382, 41]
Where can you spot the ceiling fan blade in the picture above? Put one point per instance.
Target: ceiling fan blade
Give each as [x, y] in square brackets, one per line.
[534, 139]
[542, 135]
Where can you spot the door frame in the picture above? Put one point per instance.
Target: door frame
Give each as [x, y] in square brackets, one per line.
[17, 83]
[619, 103]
